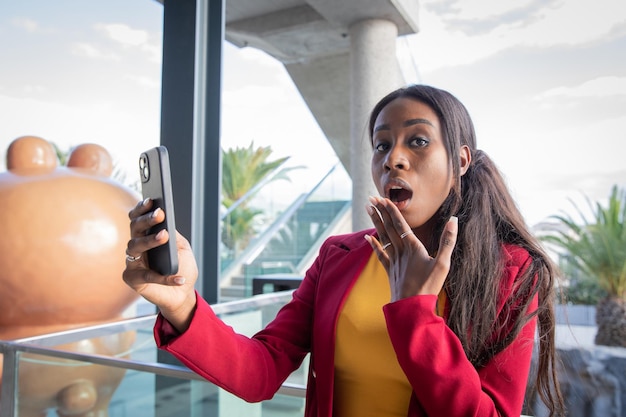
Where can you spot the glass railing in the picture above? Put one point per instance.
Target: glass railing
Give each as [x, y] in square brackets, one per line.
[292, 225]
[115, 369]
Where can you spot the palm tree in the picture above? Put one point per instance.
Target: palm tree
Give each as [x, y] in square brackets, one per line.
[597, 248]
[242, 169]
[62, 155]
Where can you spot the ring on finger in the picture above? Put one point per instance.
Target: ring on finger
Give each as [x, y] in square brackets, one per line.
[131, 258]
[405, 234]
[386, 245]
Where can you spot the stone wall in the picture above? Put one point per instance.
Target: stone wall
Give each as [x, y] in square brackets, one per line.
[593, 381]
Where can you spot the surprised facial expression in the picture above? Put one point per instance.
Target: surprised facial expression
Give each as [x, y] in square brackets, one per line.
[410, 163]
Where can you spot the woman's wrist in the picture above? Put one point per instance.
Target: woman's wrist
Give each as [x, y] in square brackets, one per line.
[181, 317]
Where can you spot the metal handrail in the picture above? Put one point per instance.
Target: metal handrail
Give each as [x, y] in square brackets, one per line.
[104, 329]
[257, 245]
[162, 369]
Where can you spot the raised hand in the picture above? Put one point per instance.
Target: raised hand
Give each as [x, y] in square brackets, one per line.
[411, 270]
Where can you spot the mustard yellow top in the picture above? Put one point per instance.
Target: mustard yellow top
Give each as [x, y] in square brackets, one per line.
[368, 378]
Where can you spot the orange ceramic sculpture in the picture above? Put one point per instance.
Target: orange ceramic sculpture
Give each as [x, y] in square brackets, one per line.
[64, 233]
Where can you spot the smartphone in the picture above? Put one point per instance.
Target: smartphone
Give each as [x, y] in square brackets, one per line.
[156, 184]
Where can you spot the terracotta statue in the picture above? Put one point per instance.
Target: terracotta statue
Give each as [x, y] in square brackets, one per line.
[64, 233]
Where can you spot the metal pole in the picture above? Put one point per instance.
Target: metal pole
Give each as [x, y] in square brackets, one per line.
[8, 395]
[207, 161]
[177, 132]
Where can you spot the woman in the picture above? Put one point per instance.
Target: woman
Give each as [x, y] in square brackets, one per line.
[432, 313]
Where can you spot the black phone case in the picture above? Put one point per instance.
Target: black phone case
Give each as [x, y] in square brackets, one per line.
[156, 184]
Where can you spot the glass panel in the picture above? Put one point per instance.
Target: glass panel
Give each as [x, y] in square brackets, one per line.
[51, 386]
[290, 227]
[56, 385]
[112, 370]
[133, 340]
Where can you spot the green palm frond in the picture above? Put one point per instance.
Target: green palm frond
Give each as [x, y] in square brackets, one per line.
[597, 245]
[242, 169]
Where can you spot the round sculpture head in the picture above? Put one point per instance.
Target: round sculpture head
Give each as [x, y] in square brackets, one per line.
[65, 229]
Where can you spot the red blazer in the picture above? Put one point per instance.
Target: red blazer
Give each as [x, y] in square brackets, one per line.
[444, 382]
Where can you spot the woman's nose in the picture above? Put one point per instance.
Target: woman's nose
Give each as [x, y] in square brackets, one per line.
[396, 159]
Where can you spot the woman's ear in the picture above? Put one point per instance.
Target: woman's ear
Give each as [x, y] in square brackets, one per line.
[466, 158]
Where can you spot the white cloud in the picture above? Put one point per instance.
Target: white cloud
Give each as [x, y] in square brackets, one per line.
[576, 22]
[267, 95]
[481, 9]
[598, 87]
[34, 89]
[552, 166]
[144, 81]
[28, 25]
[131, 38]
[154, 51]
[88, 50]
[571, 22]
[123, 34]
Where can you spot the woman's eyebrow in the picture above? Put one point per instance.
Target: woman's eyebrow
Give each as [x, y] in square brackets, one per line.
[407, 123]
[381, 127]
[417, 121]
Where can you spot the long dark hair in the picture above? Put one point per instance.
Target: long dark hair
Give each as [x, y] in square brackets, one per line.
[488, 218]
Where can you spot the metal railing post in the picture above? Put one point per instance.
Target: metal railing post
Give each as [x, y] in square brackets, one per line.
[8, 395]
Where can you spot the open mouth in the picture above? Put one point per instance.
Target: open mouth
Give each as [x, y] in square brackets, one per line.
[400, 196]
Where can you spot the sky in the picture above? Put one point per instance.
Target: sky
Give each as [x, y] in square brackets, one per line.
[544, 81]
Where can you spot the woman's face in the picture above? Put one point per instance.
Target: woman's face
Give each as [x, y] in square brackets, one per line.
[410, 163]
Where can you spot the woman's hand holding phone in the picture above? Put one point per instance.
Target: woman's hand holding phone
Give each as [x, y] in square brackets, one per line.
[174, 295]
[160, 266]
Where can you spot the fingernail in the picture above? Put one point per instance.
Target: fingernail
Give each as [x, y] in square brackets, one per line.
[160, 234]
[179, 280]
[370, 209]
[145, 201]
[155, 212]
[454, 219]
[373, 200]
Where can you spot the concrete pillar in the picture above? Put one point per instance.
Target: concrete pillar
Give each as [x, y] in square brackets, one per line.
[374, 72]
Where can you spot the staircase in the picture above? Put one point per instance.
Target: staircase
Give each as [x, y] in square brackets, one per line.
[292, 246]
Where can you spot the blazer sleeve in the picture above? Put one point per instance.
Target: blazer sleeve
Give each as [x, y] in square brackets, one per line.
[252, 368]
[444, 382]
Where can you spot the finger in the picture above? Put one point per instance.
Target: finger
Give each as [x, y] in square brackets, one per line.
[142, 207]
[139, 279]
[138, 246]
[400, 226]
[393, 221]
[382, 256]
[381, 217]
[140, 226]
[377, 221]
[446, 245]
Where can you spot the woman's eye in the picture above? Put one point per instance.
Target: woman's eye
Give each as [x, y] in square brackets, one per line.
[419, 142]
[381, 147]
